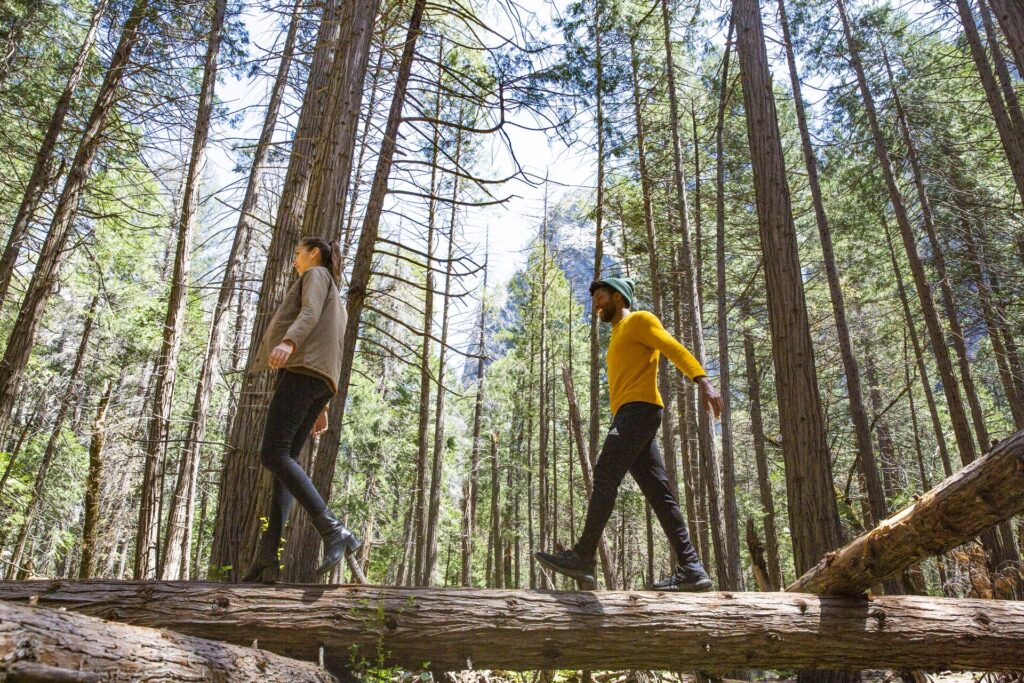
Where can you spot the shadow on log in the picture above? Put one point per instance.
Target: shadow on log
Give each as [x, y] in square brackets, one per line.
[457, 629]
[986, 492]
[38, 644]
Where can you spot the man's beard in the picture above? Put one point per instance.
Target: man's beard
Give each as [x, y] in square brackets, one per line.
[607, 314]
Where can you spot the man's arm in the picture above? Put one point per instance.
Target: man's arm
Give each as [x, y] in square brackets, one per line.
[652, 333]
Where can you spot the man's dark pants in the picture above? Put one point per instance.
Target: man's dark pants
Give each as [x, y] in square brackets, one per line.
[631, 446]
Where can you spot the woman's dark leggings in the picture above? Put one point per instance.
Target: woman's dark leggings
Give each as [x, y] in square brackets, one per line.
[294, 408]
[630, 446]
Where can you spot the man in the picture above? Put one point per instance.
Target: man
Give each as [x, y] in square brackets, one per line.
[638, 340]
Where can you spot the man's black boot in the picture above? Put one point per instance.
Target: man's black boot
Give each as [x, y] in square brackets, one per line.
[338, 541]
[569, 563]
[689, 578]
[266, 568]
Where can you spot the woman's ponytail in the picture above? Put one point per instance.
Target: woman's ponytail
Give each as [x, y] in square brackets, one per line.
[330, 255]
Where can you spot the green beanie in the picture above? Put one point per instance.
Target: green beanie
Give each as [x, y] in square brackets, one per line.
[622, 285]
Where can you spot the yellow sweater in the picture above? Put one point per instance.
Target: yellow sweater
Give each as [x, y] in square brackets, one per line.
[638, 340]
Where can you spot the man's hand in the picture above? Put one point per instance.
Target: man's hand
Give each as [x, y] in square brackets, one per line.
[320, 426]
[279, 356]
[709, 396]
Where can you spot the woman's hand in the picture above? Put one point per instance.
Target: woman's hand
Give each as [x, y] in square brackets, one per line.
[320, 426]
[279, 356]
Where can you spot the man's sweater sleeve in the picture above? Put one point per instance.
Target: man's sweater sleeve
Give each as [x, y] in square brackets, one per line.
[315, 287]
[652, 333]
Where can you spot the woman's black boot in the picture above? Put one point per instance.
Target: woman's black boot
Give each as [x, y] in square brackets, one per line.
[267, 567]
[338, 541]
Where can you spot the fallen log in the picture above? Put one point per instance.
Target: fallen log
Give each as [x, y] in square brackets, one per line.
[456, 629]
[986, 492]
[40, 644]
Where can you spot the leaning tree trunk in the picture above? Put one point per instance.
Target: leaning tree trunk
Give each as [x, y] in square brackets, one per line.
[771, 536]
[1013, 146]
[39, 644]
[1010, 14]
[950, 383]
[814, 518]
[64, 406]
[93, 487]
[731, 512]
[44, 157]
[1002, 72]
[176, 549]
[858, 411]
[244, 487]
[22, 336]
[323, 471]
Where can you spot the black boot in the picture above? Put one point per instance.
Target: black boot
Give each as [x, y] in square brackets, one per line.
[689, 578]
[338, 541]
[267, 567]
[569, 562]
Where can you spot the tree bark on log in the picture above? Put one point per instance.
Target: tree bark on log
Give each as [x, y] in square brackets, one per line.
[49, 645]
[986, 492]
[713, 632]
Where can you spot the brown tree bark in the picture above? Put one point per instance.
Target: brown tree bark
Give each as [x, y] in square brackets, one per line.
[594, 417]
[1002, 72]
[44, 157]
[148, 559]
[760, 454]
[731, 511]
[984, 493]
[522, 630]
[93, 487]
[469, 491]
[39, 644]
[814, 518]
[63, 408]
[603, 551]
[1013, 147]
[1011, 20]
[22, 336]
[858, 411]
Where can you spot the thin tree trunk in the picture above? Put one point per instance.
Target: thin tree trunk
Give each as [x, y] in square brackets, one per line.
[731, 511]
[858, 411]
[693, 304]
[22, 336]
[469, 493]
[1003, 73]
[939, 260]
[50, 452]
[1013, 147]
[1011, 19]
[93, 487]
[594, 418]
[922, 369]
[544, 513]
[173, 563]
[44, 157]
[771, 536]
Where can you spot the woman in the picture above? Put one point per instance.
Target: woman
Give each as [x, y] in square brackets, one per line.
[304, 344]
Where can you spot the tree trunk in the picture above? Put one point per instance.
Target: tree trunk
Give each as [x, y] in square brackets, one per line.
[93, 487]
[544, 513]
[174, 558]
[814, 518]
[1003, 73]
[245, 486]
[858, 411]
[594, 417]
[520, 630]
[470, 489]
[731, 512]
[1012, 144]
[693, 302]
[986, 492]
[63, 407]
[939, 261]
[496, 580]
[760, 454]
[922, 370]
[38, 644]
[44, 157]
[1011, 19]
[22, 336]
[950, 383]
[607, 558]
